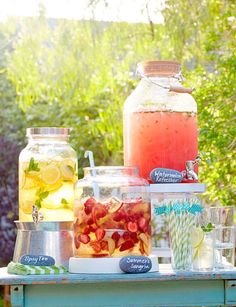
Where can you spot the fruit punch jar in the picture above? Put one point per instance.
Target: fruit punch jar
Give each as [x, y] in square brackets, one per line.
[47, 173]
[160, 120]
[112, 213]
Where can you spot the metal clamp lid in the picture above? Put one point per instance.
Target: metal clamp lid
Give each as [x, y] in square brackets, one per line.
[49, 131]
[168, 69]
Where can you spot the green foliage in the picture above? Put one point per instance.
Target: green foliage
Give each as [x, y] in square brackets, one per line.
[79, 73]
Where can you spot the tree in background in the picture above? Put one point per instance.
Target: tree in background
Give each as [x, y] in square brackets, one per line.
[202, 36]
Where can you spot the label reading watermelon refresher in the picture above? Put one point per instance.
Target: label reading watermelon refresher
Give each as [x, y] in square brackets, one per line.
[165, 175]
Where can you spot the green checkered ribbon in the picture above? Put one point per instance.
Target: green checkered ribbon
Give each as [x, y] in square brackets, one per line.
[22, 269]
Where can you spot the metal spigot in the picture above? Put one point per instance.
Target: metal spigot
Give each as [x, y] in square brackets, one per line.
[190, 173]
[36, 215]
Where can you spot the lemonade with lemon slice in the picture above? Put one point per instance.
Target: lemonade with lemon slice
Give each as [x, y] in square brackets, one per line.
[47, 174]
[202, 242]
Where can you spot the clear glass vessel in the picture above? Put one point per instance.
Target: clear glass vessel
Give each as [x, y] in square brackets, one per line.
[47, 173]
[160, 120]
[112, 213]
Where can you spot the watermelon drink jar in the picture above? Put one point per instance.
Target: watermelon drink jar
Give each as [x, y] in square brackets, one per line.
[160, 120]
[112, 213]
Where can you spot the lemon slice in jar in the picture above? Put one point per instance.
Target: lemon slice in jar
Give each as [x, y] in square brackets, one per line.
[67, 167]
[50, 174]
[32, 180]
[197, 237]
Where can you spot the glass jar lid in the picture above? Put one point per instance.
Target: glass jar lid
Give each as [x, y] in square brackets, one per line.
[48, 131]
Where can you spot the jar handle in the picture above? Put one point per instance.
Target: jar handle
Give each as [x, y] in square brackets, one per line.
[180, 89]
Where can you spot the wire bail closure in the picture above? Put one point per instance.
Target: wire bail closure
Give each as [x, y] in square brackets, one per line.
[171, 88]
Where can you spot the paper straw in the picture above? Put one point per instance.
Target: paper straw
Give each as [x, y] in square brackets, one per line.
[182, 218]
[89, 154]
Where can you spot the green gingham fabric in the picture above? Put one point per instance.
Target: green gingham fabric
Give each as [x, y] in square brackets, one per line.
[22, 269]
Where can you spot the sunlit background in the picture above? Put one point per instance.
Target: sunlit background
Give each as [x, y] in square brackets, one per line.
[115, 10]
[72, 63]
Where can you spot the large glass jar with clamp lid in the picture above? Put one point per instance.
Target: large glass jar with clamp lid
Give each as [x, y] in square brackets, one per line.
[47, 173]
[160, 120]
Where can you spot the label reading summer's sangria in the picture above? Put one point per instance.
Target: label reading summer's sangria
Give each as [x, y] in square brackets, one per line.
[135, 264]
[165, 175]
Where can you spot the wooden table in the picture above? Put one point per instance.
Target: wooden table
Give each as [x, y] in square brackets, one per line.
[165, 288]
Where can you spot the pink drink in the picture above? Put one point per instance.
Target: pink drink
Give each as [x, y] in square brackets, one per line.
[159, 139]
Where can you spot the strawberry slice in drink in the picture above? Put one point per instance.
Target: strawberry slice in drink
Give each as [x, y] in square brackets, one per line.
[116, 236]
[100, 233]
[126, 245]
[99, 255]
[77, 242]
[84, 238]
[104, 245]
[134, 237]
[132, 226]
[98, 211]
[89, 204]
[96, 246]
[142, 223]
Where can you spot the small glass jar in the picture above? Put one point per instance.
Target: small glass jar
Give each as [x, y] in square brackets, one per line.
[176, 212]
[47, 173]
[112, 213]
[160, 120]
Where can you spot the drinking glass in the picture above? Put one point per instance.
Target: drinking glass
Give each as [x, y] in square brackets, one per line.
[221, 216]
[224, 247]
[203, 243]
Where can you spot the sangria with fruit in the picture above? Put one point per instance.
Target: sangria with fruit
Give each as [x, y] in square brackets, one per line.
[114, 224]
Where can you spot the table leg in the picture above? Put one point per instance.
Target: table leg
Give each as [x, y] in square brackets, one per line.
[6, 296]
[17, 296]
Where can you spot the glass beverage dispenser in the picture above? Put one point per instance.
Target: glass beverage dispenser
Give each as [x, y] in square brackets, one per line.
[47, 173]
[160, 120]
[112, 213]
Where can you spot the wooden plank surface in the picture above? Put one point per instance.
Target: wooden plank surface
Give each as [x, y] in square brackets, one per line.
[165, 274]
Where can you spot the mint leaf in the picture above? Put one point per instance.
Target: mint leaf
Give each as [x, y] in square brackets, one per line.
[64, 201]
[33, 166]
[208, 228]
[38, 203]
[43, 195]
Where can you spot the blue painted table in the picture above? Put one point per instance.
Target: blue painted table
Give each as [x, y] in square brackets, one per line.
[165, 288]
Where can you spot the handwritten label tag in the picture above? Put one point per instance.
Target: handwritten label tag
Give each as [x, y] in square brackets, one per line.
[165, 175]
[135, 264]
[39, 260]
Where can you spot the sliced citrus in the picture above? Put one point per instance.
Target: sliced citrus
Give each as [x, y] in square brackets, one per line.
[197, 237]
[27, 199]
[50, 174]
[54, 200]
[32, 180]
[67, 167]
